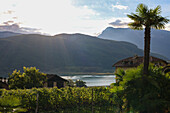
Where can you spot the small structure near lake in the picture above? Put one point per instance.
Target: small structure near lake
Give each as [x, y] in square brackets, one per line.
[3, 83]
[55, 81]
[133, 62]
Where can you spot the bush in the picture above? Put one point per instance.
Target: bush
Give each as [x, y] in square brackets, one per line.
[145, 93]
[31, 77]
[11, 104]
[61, 100]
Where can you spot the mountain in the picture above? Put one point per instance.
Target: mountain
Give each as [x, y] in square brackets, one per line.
[63, 53]
[5, 34]
[160, 39]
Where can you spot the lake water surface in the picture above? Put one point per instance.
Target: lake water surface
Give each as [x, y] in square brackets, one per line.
[93, 80]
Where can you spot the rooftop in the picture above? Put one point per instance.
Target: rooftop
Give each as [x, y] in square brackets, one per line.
[137, 60]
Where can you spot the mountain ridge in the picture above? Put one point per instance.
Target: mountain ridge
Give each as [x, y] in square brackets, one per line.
[63, 53]
[160, 39]
[5, 34]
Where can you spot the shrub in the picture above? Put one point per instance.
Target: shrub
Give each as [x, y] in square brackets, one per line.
[31, 77]
[146, 93]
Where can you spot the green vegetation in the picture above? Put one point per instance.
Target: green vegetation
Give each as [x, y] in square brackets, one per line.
[148, 18]
[31, 77]
[143, 93]
[80, 83]
[65, 100]
[11, 104]
[133, 92]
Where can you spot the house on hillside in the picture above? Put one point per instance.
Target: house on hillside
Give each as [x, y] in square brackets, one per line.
[166, 69]
[133, 62]
[3, 83]
[55, 81]
[168, 61]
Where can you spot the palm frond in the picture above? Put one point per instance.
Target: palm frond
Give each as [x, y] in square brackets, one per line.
[159, 26]
[157, 10]
[136, 25]
[147, 17]
[159, 22]
[135, 17]
[138, 22]
[141, 8]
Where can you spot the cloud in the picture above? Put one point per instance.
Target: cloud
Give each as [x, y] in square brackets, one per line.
[118, 23]
[14, 17]
[8, 12]
[167, 27]
[8, 22]
[15, 27]
[119, 7]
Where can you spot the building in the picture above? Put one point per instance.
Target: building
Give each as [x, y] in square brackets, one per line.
[166, 69]
[133, 62]
[55, 81]
[3, 83]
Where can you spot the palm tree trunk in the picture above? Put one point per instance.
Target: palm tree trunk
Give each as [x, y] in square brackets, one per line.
[147, 39]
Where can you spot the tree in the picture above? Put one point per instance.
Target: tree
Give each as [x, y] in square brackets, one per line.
[147, 19]
[31, 77]
[80, 83]
[144, 93]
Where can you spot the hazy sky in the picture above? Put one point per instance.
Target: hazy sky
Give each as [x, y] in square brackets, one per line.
[70, 16]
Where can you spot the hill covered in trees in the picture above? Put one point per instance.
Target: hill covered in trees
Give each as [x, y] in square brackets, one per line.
[63, 53]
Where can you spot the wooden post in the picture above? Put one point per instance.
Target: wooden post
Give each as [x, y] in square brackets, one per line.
[45, 84]
[5, 80]
[54, 84]
[79, 101]
[92, 102]
[36, 110]
[65, 84]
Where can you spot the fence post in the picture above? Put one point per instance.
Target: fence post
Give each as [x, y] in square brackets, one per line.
[36, 110]
[79, 102]
[92, 102]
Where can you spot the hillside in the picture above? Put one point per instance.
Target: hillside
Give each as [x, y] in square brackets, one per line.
[62, 53]
[160, 39]
[4, 34]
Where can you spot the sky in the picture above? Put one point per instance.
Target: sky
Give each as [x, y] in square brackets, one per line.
[70, 16]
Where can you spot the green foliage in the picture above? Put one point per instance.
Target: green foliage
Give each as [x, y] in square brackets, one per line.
[80, 83]
[70, 99]
[70, 83]
[10, 104]
[147, 17]
[31, 77]
[143, 93]
[134, 93]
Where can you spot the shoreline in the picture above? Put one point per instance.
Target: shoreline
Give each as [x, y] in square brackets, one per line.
[71, 74]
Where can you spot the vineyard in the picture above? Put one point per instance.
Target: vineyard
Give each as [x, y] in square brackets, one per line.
[132, 93]
[67, 100]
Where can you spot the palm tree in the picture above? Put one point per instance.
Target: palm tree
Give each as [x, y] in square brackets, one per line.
[147, 19]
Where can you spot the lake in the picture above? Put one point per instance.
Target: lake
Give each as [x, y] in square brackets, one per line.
[93, 80]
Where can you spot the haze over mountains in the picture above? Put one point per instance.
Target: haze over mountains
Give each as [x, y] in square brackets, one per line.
[160, 39]
[4, 34]
[63, 53]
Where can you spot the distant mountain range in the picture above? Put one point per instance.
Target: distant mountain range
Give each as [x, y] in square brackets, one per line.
[4, 34]
[63, 53]
[160, 39]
